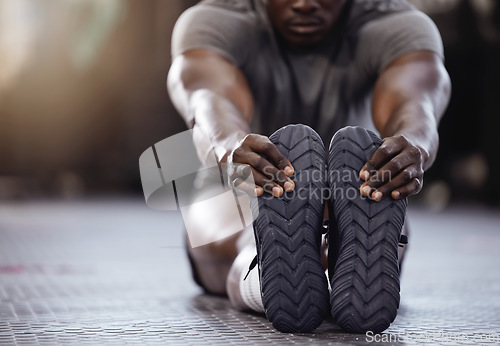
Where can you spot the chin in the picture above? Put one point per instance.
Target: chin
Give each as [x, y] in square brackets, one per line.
[304, 41]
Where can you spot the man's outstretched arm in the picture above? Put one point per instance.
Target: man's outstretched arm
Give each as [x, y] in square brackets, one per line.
[213, 97]
[409, 99]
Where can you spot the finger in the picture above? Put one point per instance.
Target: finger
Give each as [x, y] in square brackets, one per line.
[267, 184]
[280, 177]
[244, 180]
[259, 191]
[264, 173]
[270, 171]
[246, 187]
[383, 154]
[270, 150]
[401, 180]
[243, 171]
[388, 171]
[412, 188]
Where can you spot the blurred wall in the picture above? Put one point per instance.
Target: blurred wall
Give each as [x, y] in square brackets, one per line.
[82, 94]
[468, 163]
[85, 93]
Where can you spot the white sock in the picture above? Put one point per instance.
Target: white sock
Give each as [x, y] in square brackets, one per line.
[250, 289]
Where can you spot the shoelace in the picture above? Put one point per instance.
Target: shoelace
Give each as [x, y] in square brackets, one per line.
[252, 265]
[403, 240]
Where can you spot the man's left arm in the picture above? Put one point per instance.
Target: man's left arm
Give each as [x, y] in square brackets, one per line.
[409, 99]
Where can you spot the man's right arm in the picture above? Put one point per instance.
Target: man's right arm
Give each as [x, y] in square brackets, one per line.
[214, 98]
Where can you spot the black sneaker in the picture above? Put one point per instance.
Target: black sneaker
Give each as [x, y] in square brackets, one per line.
[288, 231]
[363, 239]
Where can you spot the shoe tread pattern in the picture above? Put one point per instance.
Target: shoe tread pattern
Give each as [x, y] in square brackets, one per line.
[288, 232]
[365, 282]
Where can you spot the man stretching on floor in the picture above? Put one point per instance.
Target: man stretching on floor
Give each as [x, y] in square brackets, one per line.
[244, 70]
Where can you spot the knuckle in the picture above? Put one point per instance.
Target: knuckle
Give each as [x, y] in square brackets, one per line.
[248, 139]
[268, 147]
[385, 150]
[252, 139]
[402, 139]
[243, 171]
[407, 175]
[416, 153]
[238, 152]
[396, 165]
[258, 163]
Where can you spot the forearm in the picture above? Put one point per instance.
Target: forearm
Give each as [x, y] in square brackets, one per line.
[214, 99]
[217, 123]
[221, 127]
[418, 124]
[410, 99]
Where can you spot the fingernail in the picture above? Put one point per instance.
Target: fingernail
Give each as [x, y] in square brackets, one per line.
[365, 175]
[377, 196]
[288, 170]
[288, 186]
[366, 190]
[258, 191]
[396, 194]
[276, 191]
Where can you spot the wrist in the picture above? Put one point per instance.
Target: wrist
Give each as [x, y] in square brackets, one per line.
[426, 144]
[224, 147]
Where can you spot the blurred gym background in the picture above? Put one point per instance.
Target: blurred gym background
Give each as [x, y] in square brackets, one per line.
[82, 95]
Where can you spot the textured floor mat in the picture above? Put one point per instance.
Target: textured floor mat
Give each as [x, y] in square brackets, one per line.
[115, 272]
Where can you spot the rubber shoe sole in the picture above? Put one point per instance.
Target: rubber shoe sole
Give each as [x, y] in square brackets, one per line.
[363, 244]
[294, 286]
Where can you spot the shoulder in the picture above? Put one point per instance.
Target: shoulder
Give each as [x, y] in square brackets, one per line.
[235, 12]
[225, 26]
[387, 17]
[369, 11]
[241, 6]
[383, 30]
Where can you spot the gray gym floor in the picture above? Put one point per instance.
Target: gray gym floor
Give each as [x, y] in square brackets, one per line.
[112, 271]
